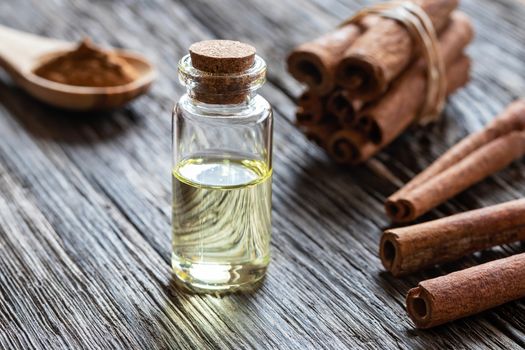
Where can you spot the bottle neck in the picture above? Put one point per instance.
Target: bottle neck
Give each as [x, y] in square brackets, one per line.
[217, 100]
[249, 107]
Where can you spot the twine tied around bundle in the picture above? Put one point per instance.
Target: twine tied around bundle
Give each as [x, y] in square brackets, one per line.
[422, 31]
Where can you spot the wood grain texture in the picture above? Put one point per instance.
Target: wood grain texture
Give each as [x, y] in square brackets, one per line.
[85, 199]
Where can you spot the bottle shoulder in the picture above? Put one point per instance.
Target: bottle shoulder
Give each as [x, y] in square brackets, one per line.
[257, 109]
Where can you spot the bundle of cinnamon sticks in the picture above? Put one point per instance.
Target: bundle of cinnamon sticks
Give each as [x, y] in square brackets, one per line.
[367, 81]
[412, 248]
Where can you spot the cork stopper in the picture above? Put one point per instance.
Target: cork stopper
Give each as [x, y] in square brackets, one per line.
[222, 56]
[222, 71]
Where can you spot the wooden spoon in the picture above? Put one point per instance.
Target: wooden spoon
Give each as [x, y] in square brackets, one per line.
[21, 53]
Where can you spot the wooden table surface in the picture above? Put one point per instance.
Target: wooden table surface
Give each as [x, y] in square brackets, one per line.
[85, 198]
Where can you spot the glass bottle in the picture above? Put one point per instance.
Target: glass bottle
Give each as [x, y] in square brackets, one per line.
[222, 169]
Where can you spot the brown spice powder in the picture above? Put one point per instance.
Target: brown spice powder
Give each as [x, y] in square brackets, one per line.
[88, 65]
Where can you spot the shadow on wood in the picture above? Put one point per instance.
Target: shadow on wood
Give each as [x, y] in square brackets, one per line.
[46, 122]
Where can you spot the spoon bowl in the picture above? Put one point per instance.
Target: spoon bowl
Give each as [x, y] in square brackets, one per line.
[22, 53]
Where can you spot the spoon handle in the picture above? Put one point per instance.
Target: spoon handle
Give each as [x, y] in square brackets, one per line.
[21, 52]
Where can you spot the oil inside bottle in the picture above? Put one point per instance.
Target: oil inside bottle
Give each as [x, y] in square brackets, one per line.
[221, 222]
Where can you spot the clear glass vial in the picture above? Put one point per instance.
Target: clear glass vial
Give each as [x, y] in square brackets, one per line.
[222, 169]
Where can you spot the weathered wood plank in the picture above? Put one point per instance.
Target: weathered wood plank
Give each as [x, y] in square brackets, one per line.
[97, 243]
[98, 189]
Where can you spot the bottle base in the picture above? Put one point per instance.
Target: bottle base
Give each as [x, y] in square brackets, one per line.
[215, 278]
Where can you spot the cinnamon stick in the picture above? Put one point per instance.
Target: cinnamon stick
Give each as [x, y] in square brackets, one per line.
[353, 147]
[313, 63]
[384, 51]
[511, 119]
[408, 249]
[343, 107]
[320, 134]
[310, 108]
[399, 106]
[467, 292]
[345, 146]
[481, 163]
[365, 125]
[378, 121]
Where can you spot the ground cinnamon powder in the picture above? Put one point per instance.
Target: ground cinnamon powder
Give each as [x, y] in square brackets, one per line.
[88, 65]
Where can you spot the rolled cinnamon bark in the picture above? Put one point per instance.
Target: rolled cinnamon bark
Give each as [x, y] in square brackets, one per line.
[481, 163]
[320, 134]
[345, 146]
[467, 292]
[310, 108]
[387, 117]
[313, 63]
[343, 107]
[311, 101]
[305, 117]
[408, 249]
[353, 147]
[384, 51]
[378, 121]
[512, 119]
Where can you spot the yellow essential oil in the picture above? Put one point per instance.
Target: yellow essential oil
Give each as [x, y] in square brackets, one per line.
[221, 222]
